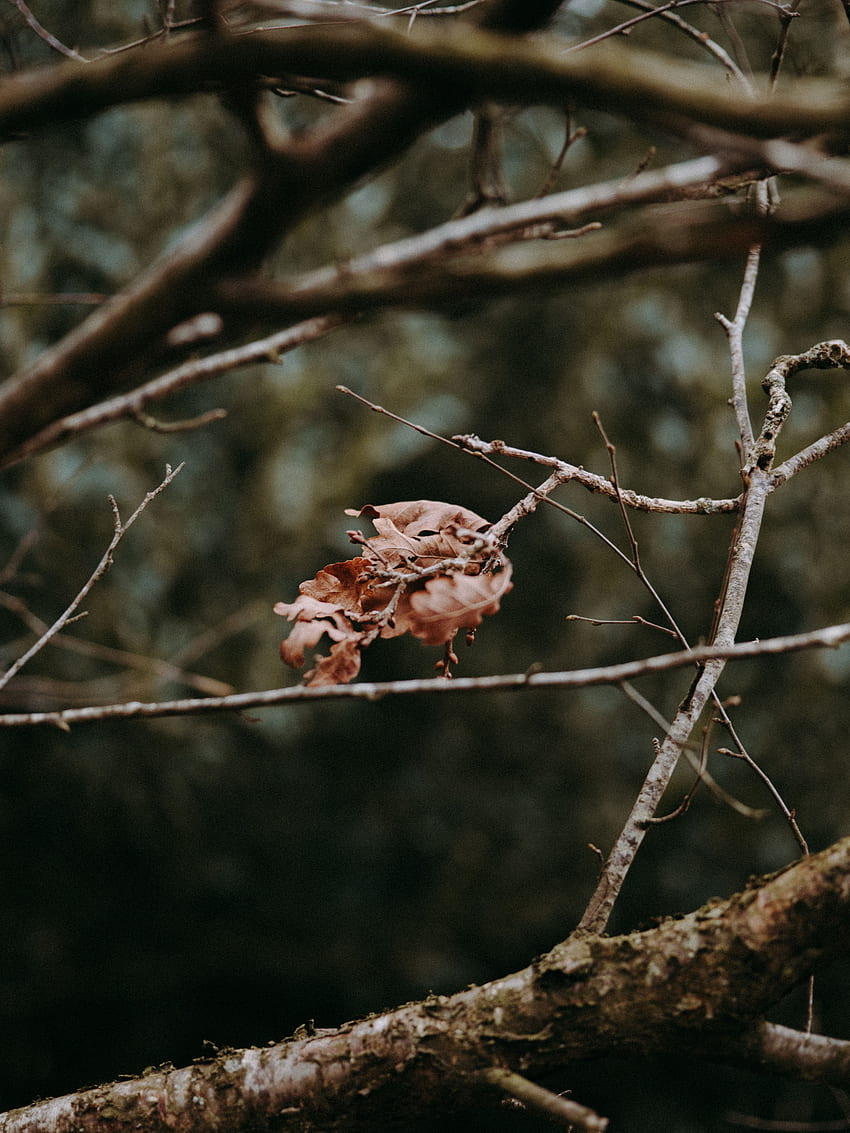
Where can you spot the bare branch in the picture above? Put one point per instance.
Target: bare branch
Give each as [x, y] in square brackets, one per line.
[121, 529]
[151, 665]
[812, 453]
[560, 1110]
[759, 485]
[269, 349]
[665, 12]
[703, 233]
[600, 484]
[831, 638]
[44, 34]
[689, 985]
[701, 691]
[478, 64]
[735, 334]
[833, 354]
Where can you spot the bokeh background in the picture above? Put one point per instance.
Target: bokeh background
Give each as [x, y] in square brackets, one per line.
[185, 882]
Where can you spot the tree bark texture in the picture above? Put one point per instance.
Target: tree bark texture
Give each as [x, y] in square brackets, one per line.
[699, 983]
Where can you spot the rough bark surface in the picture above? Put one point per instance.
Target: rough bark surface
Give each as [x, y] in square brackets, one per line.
[698, 983]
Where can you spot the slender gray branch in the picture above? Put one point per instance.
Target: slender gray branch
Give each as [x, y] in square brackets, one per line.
[817, 450]
[831, 638]
[759, 485]
[600, 484]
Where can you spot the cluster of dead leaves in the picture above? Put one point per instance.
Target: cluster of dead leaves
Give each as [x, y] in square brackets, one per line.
[431, 570]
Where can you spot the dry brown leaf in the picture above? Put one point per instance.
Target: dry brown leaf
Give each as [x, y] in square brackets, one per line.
[421, 574]
[339, 668]
[419, 531]
[457, 601]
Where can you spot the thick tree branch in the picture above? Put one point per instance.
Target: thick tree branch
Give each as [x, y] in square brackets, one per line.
[692, 984]
[123, 338]
[473, 64]
[703, 232]
[126, 337]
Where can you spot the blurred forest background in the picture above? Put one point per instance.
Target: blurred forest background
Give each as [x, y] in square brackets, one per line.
[189, 881]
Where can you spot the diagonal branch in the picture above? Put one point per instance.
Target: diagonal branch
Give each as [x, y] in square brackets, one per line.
[687, 986]
[193, 372]
[120, 530]
[705, 232]
[759, 485]
[125, 337]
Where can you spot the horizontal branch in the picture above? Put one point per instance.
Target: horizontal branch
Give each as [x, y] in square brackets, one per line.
[474, 63]
[693, 984]
[783, 1050]
[125, 339]
[702, 232]
[831, 638]
[601, 485]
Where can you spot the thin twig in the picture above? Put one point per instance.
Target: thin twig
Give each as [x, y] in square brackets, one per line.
[120, 530]
[151, 665]
[697, 763]
[187, 425]
[466, 442]
[786, 17]
[131, 404]
[829, 638]
[44, 34]
[696, 34]
[570, 138]
[556, 1107]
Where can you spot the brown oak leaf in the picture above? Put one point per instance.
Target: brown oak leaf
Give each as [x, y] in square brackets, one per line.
[426, 572]
[419, 531]
[457, 601]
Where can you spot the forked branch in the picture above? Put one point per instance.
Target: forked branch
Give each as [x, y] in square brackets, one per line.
[121, 528]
